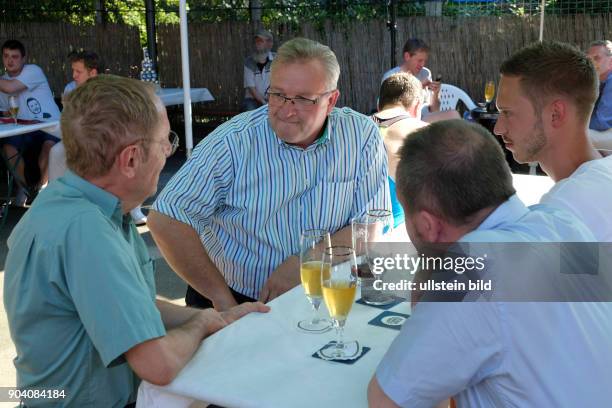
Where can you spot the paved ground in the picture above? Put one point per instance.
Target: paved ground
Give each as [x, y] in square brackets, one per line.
[169, 286]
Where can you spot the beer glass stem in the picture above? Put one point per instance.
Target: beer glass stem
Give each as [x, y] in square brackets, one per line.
[339, 325]
[315, 310]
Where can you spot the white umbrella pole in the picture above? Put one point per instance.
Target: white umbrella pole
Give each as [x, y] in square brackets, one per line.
[542, 20]
[186, 81]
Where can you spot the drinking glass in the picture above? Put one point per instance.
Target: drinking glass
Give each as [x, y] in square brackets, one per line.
[339, 284]
[312, 245]
[378, 227]
[13, 107]
[489, 91]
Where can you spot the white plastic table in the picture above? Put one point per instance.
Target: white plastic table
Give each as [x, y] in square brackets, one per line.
[11, 129]
[174, 96]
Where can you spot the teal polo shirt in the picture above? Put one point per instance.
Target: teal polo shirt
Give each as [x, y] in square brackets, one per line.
[79, 292]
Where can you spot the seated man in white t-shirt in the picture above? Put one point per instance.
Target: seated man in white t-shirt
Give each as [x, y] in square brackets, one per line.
[85, 65]
[29, 84]
[415, 55]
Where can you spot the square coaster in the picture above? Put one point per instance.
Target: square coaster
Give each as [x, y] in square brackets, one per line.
[390, 320]
[359, 352]
[397, 301]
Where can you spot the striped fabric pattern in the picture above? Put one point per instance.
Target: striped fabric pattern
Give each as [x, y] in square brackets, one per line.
[249, 195]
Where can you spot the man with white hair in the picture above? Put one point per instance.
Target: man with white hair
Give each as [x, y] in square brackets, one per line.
[79, 285]
[229, 221]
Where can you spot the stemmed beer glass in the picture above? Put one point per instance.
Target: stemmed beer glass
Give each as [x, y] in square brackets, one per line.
[339, 284]
[312, 245]
[378, 227]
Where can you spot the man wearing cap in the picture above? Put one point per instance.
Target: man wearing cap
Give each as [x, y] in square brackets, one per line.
[257, 71]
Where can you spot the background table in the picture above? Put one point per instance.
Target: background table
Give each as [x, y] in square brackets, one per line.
[11, 129]
[262, 360]
[174, 96]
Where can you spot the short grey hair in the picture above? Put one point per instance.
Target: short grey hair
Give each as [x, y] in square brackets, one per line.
[603, 43]
[304, 50]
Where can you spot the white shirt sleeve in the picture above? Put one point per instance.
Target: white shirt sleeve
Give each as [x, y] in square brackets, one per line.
[70, 86]
[31, 76]
[4, 106]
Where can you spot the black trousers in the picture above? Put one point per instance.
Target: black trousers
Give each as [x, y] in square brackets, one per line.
[194, 299]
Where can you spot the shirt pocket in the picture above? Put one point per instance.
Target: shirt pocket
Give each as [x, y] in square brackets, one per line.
[147, 270]
[330, 205]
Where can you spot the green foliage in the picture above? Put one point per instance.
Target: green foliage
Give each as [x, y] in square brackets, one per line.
[287, 12]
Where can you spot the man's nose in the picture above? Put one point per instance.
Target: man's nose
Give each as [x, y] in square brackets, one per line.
[499, 128]
[288, 108]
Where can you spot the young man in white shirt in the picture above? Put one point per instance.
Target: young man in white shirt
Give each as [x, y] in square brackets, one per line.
[29, 84]
[85, 65]
[545, 99]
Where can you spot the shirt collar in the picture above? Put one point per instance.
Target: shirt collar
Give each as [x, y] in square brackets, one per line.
[508, 212]
[321, 140]
[108, 203]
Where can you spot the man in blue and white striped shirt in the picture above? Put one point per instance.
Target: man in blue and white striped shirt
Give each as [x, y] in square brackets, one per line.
[229, 221]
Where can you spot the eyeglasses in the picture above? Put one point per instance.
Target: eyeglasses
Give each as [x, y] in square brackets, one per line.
[173, 138]
[300, 102]
[173, 141]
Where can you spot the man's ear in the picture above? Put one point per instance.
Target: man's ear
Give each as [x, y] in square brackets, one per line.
[415, 110]
[128, 160]
[558, 113]
[429, 226]
[333, 98]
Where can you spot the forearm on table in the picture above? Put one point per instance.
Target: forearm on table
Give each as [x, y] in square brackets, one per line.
[183, 341]
[11, 86]
[174, 315]
[180, 245]
[160, 360]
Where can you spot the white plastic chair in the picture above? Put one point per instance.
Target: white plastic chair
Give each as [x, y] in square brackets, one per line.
[450, 95]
